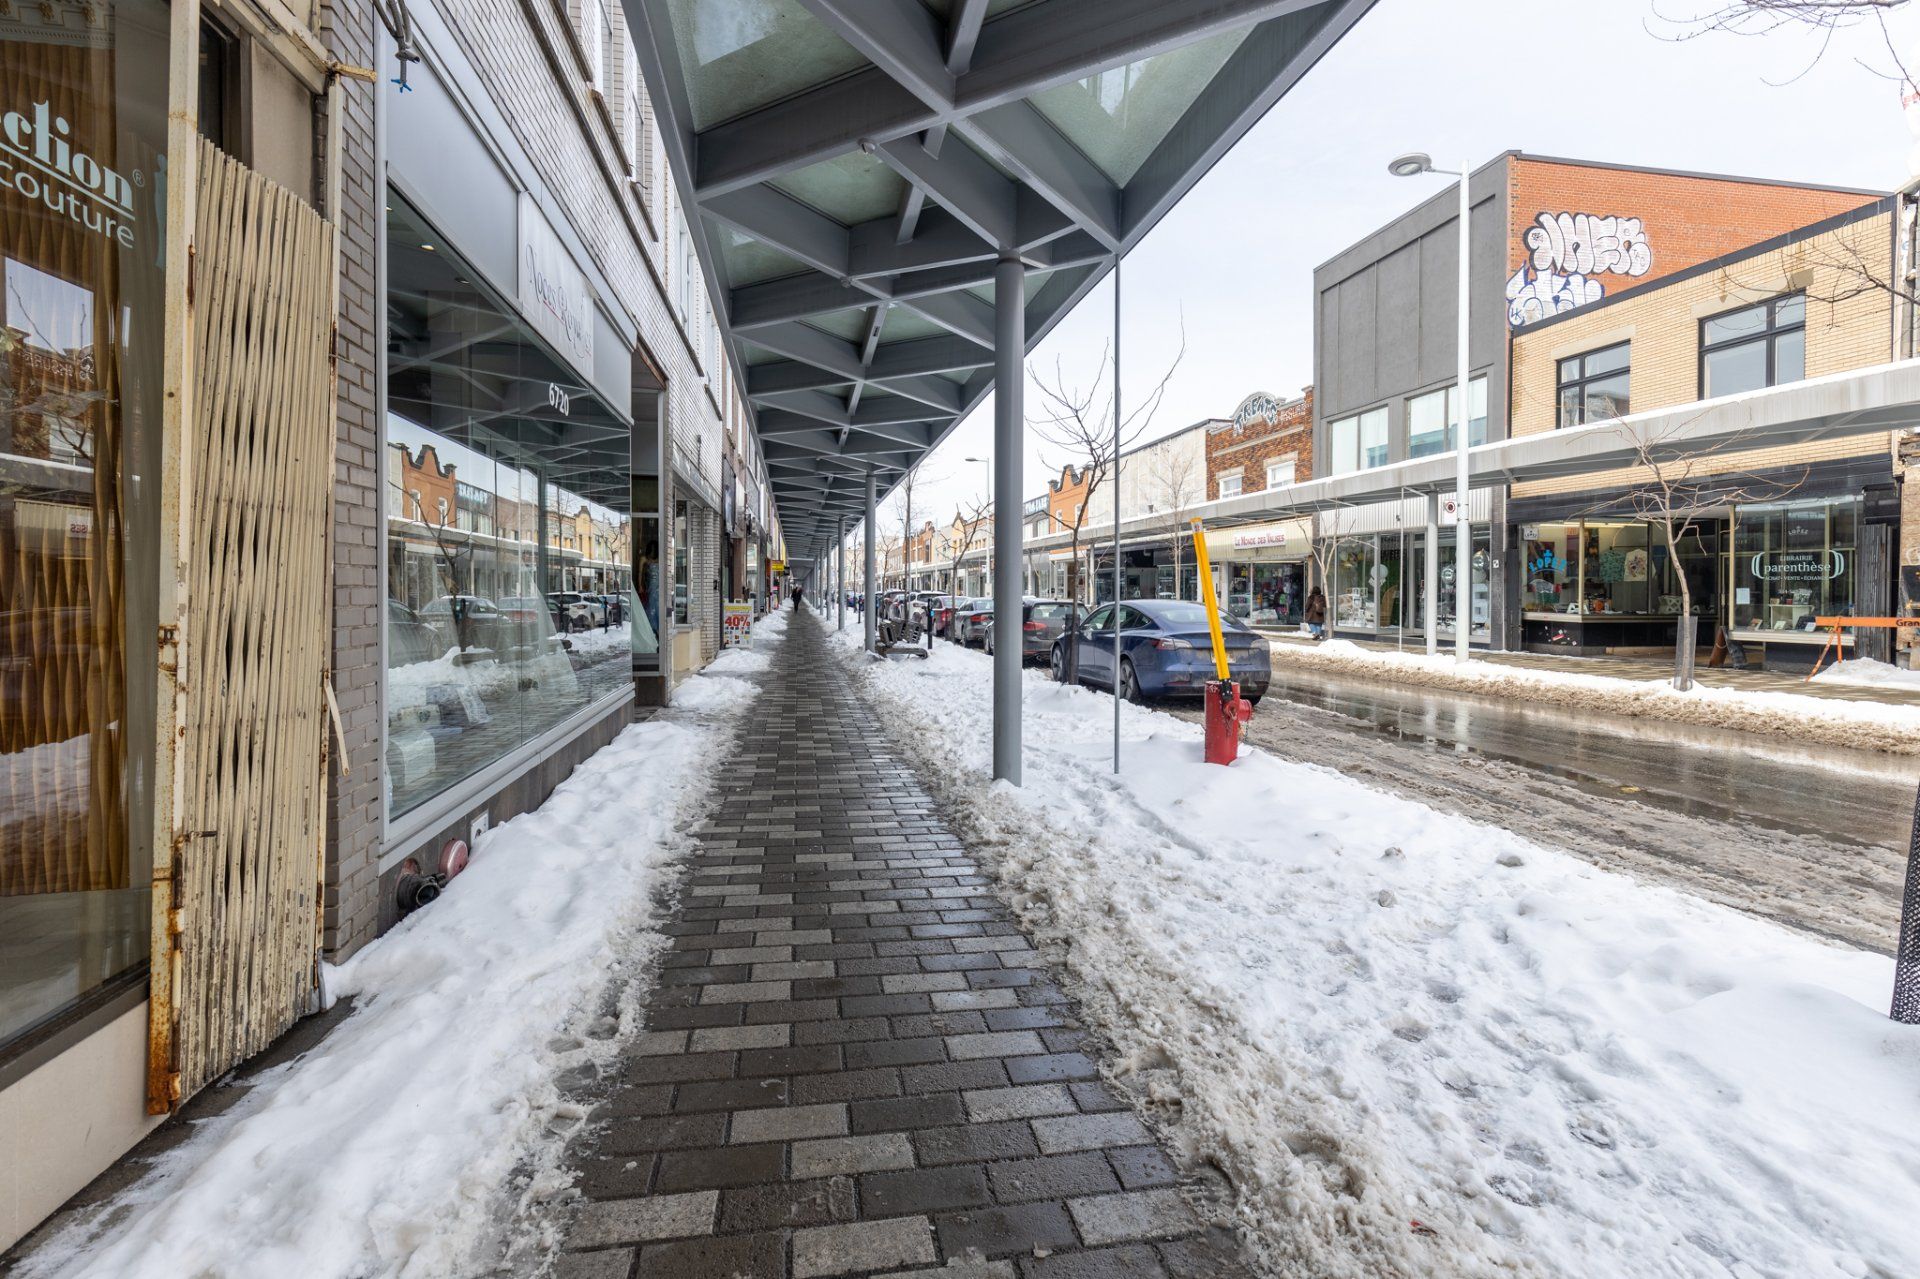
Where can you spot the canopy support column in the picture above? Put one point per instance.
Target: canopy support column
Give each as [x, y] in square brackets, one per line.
[1009, 396]
[873, 541]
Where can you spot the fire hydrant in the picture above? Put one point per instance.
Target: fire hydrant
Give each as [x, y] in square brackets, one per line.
[1226, 711]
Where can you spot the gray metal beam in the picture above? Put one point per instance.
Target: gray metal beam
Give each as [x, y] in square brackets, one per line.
[963, 32]
[1266, 66]
[786, 224]
[904, 40]
[963, 183]
[1043, 45]
[1026, 142]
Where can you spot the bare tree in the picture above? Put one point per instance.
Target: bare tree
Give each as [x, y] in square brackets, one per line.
[1682, 484]
[1179, 478]
[1330, 531]
[1680, 20]
[970, 519]
[1076, 424]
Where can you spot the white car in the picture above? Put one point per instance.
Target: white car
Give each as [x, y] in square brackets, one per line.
[581, 611]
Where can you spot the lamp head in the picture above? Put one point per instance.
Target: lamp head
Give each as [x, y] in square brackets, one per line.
[1410, 165]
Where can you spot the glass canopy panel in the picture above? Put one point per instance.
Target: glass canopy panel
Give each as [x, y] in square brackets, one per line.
[748, 261]
[850, 325]
[904, 325]
[741, 55]
[1118, 116]
[849, 188]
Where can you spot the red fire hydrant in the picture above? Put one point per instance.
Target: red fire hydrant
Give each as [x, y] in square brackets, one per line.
[1226, 711]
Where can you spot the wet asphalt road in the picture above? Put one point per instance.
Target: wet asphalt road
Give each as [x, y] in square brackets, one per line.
[1813, 837]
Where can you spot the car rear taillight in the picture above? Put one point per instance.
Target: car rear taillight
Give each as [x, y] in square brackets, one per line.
[1166, 642]
[1035, 627]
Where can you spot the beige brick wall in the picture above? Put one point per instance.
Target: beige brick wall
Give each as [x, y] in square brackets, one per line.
[1848, 327]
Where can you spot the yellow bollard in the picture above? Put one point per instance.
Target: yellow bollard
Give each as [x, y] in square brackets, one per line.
[1213, 601]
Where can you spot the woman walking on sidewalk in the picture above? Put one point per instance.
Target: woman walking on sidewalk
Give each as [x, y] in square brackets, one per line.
[1317, 614]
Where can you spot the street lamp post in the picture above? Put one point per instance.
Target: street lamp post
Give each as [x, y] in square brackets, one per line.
[1412, 165]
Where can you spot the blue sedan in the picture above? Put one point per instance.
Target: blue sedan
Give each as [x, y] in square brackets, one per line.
[1165, 651]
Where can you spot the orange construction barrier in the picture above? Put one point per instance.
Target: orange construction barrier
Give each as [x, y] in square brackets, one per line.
[1856, 623]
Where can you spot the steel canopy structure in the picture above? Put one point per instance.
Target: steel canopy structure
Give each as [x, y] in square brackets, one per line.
[858, 174]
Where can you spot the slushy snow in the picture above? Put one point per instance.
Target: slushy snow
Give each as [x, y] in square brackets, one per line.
[430, 1116]
[1417, 1046]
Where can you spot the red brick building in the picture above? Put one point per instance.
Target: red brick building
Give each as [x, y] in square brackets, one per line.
[1266, 443]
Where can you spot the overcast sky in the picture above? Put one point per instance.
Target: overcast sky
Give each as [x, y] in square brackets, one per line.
[1464, 80]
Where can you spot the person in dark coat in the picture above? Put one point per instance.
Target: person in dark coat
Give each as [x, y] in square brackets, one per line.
[1317, 613]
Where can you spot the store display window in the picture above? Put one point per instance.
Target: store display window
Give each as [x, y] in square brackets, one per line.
[1552, 566]
[509, 543]
[82, 228]
[1353, 577]
[1793, 562]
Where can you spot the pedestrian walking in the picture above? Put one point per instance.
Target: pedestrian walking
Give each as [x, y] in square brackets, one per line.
[1317, 614]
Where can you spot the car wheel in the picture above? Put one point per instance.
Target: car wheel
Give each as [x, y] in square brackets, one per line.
[1253, 699]
[1130, 684]
[1059, 664]
[987, 644]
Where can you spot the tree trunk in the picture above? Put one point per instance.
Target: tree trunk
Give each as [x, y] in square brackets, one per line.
[1686, 635]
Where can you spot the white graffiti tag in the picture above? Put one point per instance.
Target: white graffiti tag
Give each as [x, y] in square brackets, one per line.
[1564, 252]
[1533, 297]
[1582, 244]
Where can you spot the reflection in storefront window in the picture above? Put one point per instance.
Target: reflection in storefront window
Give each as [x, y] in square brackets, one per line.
[84, 117]
[510, 602]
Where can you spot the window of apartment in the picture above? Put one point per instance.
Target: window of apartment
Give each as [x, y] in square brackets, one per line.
[1753, 347]
[638, 124]
[1229, 484]
[1430, 419]
[596, 36]
[681, 569]
[1358, 442]
[1593, 387]
[1280, 470]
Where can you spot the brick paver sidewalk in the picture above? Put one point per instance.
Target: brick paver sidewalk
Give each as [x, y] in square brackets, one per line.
[854, 1063]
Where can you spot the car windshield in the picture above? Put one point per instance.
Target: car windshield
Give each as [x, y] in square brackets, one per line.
[1179, 614]
[1049, 612]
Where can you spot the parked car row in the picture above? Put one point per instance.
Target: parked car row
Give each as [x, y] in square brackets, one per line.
[474, 621]
[1166, 647]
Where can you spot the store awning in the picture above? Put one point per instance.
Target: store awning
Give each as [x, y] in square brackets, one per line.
[1883, 398]
[854, 169]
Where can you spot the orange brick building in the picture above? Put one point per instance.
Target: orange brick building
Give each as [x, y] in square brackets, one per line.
[1266, 443]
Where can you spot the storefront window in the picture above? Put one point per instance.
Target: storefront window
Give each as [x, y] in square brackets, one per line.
[1793, 562]
[1353, 577]
[682, 529]
[509, 587]
[1552, 567]
[82, 136]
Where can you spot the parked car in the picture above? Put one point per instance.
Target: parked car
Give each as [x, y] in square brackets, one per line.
[616, 606]
[1042, 622]
[581, 611]
[939, 610]
[468, 621]
[410, 639]
[1166, 650]
[974, 618]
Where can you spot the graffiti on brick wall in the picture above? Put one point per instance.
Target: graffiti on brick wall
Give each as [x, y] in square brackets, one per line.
[1565, 254]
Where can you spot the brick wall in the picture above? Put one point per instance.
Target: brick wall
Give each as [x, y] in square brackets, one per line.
[355, 797]
[1848, 327]
[1249, 447]
[1685, 219]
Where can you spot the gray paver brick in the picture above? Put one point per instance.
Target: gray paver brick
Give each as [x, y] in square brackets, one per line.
[1089, 1132]
[646, 1220]
[1140, 1214]
[879, 1152]
[991, 1105]
[862, 1246]
[788, 1123]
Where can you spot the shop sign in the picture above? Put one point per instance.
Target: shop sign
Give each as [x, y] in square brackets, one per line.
[1799, 565]
[553, 291]
[1259, 407]
[39, 162]
[736, 625]
[1259, 535]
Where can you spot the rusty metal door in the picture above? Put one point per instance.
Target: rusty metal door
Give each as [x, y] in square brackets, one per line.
[241, 761]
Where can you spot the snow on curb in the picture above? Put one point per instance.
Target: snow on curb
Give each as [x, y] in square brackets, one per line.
[1829, 722]
[399, 1145]
[1416, 1046]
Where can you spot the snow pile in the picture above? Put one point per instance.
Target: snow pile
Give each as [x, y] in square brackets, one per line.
[1867, 672]
[1862, 725]
[1417, 1046]
[394, 1147]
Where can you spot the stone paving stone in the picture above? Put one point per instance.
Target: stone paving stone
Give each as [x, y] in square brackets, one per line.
[881, 1152]
[854, 1063]
[645, 1220]
[862, 1247]
[1141, 1214]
